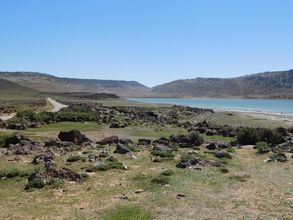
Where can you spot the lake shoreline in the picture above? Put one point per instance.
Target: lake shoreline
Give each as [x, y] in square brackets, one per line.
[269, 107]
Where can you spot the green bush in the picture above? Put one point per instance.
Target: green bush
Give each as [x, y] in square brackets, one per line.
[196, 138]
[248, 136]
[36, 183]
[162, 153]
[13, 172]
[3, 137]
[160, 180]
[167, 173]
[255, 135]
[262, 147]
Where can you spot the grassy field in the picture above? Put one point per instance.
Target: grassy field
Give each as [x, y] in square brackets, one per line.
[251, 189]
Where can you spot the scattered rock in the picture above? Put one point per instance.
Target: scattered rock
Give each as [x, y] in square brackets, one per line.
[109, 140]
[180, 196]
[125, 141]
[144, 142]
[139, 191]
[121, 149]
[222, 154]
[123, 197]
[73, 136]
[46, 157]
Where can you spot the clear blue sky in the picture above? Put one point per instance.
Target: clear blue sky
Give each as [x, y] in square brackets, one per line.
[151, 41]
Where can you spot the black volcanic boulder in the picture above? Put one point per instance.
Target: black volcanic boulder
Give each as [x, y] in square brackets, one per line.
[14, 139]
[144, 142]
[64, 173]
[121, 149]
[125, 141]
[73, 136]
[19, 145]
[109, 140]
[193, 159]
[46, 157]
[213, 145]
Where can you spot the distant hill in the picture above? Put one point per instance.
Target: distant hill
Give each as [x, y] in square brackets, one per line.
[48, 83]
[261, 85]
[8, 88]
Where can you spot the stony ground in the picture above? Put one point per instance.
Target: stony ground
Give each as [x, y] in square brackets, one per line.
[143, 184]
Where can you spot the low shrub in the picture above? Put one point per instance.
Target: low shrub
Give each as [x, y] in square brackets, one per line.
[167, 173]
[74, 158]
[255, 135]
[160, 180]
[162, 153]
[262, 147]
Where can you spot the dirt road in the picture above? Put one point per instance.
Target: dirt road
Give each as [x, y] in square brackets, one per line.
[56, 105]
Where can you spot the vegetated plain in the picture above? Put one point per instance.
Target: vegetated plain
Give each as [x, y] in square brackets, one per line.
[139, 161]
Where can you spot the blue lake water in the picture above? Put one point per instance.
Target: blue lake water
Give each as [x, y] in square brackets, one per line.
[276, 106]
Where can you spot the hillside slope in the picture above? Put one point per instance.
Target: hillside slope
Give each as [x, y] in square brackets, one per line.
[261, 85]
[49, 83]
[8, 88]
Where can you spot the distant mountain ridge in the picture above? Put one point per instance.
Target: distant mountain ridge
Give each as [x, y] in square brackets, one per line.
[49, 83]
[278, 84]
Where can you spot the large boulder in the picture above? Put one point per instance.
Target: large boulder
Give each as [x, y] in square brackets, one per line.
[64, 173]
[109, 140]
[13, 140]
[18, 144]
[121, 149]
[73, 136]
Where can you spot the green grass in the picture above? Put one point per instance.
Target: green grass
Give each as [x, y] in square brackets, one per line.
[67, 126]
[156, 132]
[127, 213]
[3, 136]
[218, 138]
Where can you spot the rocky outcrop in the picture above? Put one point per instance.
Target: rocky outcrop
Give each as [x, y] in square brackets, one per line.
[73, 136]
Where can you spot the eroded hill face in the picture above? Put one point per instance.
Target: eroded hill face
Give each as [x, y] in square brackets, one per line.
[49, 83]
[262, 85]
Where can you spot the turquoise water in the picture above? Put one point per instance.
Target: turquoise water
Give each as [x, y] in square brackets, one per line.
[276, 106]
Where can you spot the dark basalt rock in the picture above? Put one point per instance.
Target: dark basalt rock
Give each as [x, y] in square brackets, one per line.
[109, 140]
[73, 136]
[144, 141]
[125, 141]
[19, 145]
[163, 141]
[16, 126]
[192, 159]
[14, 139]
[121, 149]
[222, 154]
[46, 157]
[92, 158]
[64, 173]
[213, 145]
